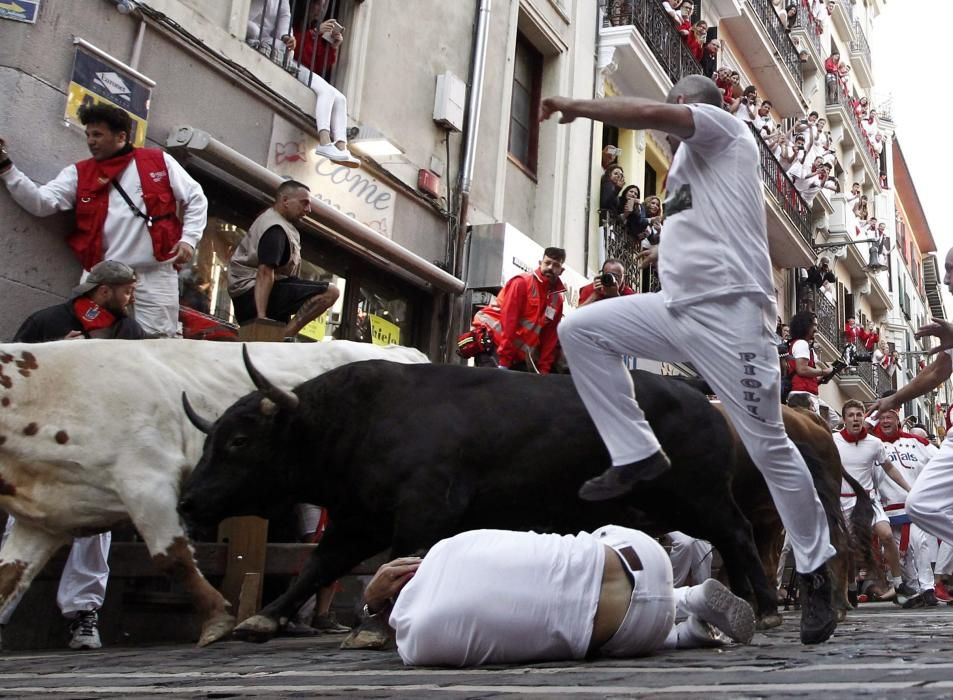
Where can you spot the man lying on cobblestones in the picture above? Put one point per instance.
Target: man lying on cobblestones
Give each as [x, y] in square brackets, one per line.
[498, 596]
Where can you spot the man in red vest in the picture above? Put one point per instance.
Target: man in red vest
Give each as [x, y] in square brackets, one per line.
[125, 200]
[524, 318]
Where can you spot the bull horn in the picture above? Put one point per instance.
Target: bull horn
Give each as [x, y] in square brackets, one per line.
[203, 424]
[285, 400]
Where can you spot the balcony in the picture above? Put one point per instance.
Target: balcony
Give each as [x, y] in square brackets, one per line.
[864, 381]
[841, 116]
[762, 40]
[806, 32]
[860, 58]
[645, 52]
[827, 338]
[618, 244]
[788, 215]
[844, 18]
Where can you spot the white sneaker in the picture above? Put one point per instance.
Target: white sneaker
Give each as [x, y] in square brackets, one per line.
[338, 155]
[694, 633]
[715, 604]
[85, 630]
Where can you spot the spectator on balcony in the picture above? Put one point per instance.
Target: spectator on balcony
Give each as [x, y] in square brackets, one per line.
[790, 20]
[851, 338]
[843, 71]
[870, 125]
[610, 156]
[860, 211]
[798, 167]
[613, 180]
[317, 52]
[820, 274]
[683, 20]
[710, 58]
[696, 40]
[854, 197]
[635, 221]
[861, 106]
[653, 211]
[813, 182]
[803, 365]
[672, 10]
[763, 121]
[269, 27]
[619, 12]
[746, 106]
[870, 336]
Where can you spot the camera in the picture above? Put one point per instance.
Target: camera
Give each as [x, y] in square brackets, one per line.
[606, 279]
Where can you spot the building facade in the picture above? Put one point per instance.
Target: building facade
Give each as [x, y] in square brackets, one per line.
[240, 116]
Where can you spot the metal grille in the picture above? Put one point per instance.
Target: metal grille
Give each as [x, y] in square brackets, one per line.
[620, 245]
[782, 189]
[659, 33]
[787, 52]
[859, 45]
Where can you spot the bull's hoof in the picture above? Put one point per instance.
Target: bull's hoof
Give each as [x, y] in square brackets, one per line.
[373, 633]
[216, 628]
[257, 628]
[841, 614]
[766, 622]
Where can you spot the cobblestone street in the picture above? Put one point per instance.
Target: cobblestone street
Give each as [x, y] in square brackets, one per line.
[881, 651]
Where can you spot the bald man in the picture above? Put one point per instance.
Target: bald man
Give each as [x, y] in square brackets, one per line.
[716, 309]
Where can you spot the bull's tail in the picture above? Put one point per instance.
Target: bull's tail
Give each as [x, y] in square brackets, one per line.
[861, 530]
[829, 495]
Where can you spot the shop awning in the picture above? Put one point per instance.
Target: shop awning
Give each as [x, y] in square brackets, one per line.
[332, 224]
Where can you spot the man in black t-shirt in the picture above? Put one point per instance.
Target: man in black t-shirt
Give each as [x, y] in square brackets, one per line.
[263, 273]
[97, 308]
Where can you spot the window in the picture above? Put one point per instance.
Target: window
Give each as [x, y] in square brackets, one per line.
[524, 107]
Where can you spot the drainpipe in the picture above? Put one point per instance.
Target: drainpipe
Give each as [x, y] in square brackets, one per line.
[474, 103]
[592, 135]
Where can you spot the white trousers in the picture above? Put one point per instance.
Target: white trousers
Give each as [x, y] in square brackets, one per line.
[84, 578]
[944, 560]
[157, 299]
[930, 501]
[731, 342]
[330, 108]
[915, 563]
[691, 559]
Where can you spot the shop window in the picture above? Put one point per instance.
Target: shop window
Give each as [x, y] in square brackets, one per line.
[383, 317]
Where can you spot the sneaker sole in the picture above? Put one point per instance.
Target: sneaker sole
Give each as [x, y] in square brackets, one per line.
[821, 635]
[727, 612]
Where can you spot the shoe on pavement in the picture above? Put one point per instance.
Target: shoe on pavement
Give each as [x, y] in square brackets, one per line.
[713, 603]
[818, 617]
[695, 633]
[905, 592]
[84, 629]
[942, 595]
[617, 481]
[916, 601]
[327, 624]
[341, 156]
[929, 598]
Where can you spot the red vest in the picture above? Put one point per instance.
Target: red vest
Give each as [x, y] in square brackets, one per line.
[166, 229]
[799, 383]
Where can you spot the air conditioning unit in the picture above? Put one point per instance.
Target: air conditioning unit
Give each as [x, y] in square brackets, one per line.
[450, 102]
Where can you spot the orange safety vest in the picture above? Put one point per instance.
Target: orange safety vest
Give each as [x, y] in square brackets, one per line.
[532, 317]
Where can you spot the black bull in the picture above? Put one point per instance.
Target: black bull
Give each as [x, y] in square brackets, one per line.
[405, 455]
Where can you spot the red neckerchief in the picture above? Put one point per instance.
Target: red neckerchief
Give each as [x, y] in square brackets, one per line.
[93, 316]
[850, 438]
[899, 434]
[99, 178]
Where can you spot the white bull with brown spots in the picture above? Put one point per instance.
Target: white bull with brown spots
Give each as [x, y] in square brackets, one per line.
[93, 433]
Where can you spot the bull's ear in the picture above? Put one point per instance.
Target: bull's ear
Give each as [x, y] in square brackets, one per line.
[268, 407]
[202, 424]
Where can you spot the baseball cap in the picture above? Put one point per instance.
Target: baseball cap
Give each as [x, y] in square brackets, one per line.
[106, 272]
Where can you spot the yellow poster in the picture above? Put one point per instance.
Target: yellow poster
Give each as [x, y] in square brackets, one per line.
[383, 332]
[317, 328]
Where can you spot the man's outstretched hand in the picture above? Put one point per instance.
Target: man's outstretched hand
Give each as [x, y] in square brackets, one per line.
[940, 329]
[551, 105]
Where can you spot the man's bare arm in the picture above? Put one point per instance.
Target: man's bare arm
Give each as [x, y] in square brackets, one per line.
[633, 113]
[890, 469]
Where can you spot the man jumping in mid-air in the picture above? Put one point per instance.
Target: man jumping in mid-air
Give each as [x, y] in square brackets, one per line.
[716, 309]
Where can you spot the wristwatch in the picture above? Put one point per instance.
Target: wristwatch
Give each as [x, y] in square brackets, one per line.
[368, 614]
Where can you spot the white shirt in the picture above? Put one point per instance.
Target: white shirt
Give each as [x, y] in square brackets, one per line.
[497, 596]
[268, 21]
[909, 455]
[801, 350]
[715, 242]
[125, 237]
[860, 459]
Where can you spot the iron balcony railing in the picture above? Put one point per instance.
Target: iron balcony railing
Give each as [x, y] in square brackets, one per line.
[786, 49]
[826, 313]
[872, 373]
[656, 27]
[783, 190]
[809, 25]
[283, 23]
[837, 96]
[622, 246]
[859, 44]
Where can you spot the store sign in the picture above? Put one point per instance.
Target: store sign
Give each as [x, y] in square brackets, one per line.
[383, 332]
[98, 78]
[316, 329]
[352, 191]
[20, 10]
